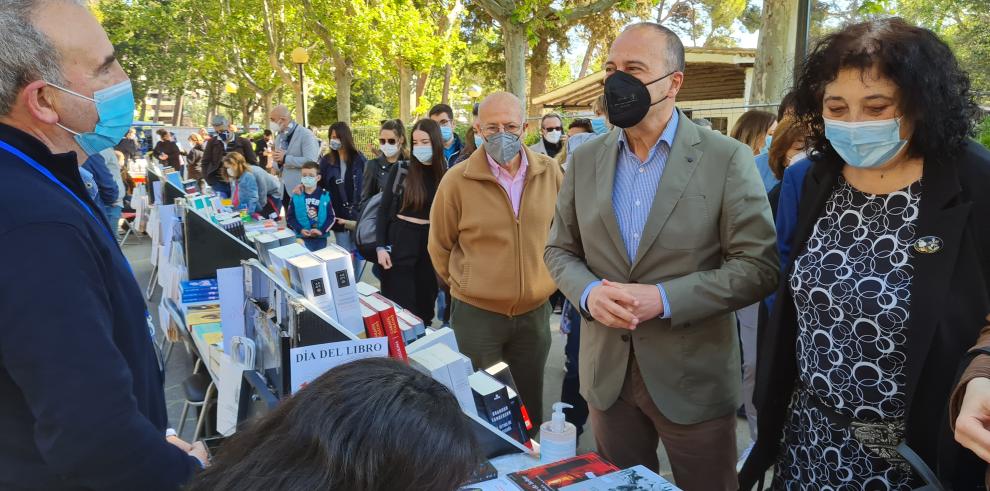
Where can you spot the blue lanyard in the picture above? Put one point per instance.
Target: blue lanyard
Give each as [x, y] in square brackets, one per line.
[45, 172]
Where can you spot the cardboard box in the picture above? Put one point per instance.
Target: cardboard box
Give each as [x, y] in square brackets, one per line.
[451, 369]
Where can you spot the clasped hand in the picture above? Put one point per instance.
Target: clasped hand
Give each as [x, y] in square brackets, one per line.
[624, 305]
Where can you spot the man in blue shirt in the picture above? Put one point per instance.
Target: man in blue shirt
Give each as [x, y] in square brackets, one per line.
[662, 231]
[80, 381]
[452, 146]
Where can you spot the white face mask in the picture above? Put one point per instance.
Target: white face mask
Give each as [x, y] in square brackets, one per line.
[553, 137]
[274, 127]
[424, 154]
[335, 144]
[230, 172]
[390, 150]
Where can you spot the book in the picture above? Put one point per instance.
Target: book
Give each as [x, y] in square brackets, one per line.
[408, 331]
[263, 244]
[366, 290]
[501, 373]
[280, 256]
[636, 478]
[396, 346]
[210, 333]
[451, 369]
[373, 327]
[492, 401]
[552, 477]
[444, 335]
[309, 277]
[202, 314]
[483, 472]
[340, 273]
[417, 324]
[285, 237]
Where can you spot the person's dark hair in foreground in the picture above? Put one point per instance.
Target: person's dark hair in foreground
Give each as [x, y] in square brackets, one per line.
[369, 425]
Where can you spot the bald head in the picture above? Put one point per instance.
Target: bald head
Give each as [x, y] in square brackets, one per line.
[281, 116]
[500, 110]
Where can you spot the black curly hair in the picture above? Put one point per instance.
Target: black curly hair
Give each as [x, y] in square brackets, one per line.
[934, 90]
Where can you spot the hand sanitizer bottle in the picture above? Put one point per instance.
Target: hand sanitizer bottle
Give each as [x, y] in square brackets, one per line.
[558, 438]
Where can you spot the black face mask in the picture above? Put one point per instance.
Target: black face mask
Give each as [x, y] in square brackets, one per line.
[627, 100]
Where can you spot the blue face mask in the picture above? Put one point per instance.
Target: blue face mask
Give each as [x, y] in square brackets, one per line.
[424, 154]
[478, 140]
[865, 144]
[766, 144]
[599, 125]
[115, 107]
[308, 181]
[447, 133]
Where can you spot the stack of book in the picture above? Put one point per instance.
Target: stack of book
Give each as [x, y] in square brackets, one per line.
[451, 369]
[499, 403]
[325, 277]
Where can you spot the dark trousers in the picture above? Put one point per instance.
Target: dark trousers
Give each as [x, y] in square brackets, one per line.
[522, 341]
[702, 455]
[220, 187]
[570, 391]
[411, 282]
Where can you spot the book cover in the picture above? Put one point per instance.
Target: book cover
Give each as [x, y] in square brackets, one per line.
[483, 472]
[552, 477]
[263, 244]
[396, 346]
[340, 273]
[284, 237]
[202, 314]
[637, 478]
[372, 322]
[492, 401]
[280, 257]
[417, 324]
[309, 277]
[210, 333]
[444, 335]
[502, 373]
[366, 290]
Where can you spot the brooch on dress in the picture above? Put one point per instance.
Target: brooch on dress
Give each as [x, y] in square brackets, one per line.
[928, 245]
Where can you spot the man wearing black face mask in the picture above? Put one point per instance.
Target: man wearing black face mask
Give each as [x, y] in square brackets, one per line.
[662, 231]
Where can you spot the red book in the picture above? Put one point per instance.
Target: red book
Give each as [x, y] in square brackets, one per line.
[396, 346]
[372, 321]
[552, 477]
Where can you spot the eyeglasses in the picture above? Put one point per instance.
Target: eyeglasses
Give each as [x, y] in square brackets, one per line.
[491, 129]
[554, 128]
[390, 141]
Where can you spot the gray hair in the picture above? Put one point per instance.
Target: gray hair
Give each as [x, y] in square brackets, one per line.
[675, 48]
[26, 54]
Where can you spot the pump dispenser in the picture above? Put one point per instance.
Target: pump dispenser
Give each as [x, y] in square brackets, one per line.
[558, 438]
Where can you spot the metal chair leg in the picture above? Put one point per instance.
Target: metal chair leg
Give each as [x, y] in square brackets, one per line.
[182, 417]
[203, 412]
[152, 284]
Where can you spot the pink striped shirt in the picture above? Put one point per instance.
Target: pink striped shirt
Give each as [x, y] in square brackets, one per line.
[513, 186]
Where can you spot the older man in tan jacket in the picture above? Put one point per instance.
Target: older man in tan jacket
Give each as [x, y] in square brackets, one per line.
[489, 226]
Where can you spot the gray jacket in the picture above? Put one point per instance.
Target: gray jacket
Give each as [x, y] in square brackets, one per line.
[268, 185]
[303, 147]
[110, 158]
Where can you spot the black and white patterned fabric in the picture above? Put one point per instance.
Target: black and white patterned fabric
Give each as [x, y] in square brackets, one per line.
[851, 289]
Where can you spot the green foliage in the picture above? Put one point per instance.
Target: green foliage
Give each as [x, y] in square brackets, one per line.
[983, 132]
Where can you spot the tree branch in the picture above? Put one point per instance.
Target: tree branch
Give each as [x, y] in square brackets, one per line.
[497, 9]
[586, 10]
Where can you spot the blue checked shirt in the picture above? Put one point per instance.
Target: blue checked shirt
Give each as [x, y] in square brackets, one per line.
[635, 187]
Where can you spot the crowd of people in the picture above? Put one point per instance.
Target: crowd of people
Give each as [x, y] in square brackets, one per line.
[842, 243]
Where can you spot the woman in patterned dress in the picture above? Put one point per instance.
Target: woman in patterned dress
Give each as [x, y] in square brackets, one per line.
[889, 281]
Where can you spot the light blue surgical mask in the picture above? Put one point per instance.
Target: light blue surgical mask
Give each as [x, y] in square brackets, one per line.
[424, 154]
[865, 144]
[115, 107]
[599, 125]
[309, 181]
[766, 144]
[478, 141]
[447, 133]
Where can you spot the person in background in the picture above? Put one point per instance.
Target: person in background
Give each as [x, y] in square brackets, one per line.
[785, 107]
[129, 147]
[244, 186]
[787, 148]
[392, 145]
[893, 228]
[658, 252]
[83, 406]
[166, 151]
[108, 194]
[342, 171]
[294, 146]
[204, 135]
[309, 213]
[552, 136]
[127, 189]
[443, 115]
[216, 148]
[475, 143]
[369, 425]
[263, 148]
[490, 222]
[600, 123]
[194, 158]
[115, 209]
[580, 125]
[751, 128]
[404, 224]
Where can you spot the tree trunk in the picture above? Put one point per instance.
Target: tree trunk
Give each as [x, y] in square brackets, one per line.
[144, 109]
[422, 79]
[539, 63]
[405, 84]
[343, 76]
[267, 102]
[447, 74]
[588, 55]
[516, 46]
[158, 105]
[772, 72]
[177, 111]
